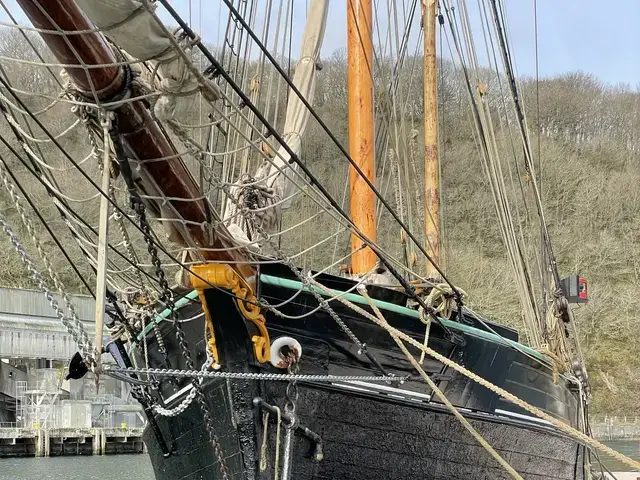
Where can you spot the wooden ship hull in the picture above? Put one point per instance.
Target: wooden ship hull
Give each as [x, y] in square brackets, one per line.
[367, 430]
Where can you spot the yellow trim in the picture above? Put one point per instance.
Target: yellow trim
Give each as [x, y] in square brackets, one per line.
[223, 276]
[211, 342]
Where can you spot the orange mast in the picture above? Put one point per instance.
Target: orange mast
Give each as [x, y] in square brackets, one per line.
[361, 139]
[431, 170]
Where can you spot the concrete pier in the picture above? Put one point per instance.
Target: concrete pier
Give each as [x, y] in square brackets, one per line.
[614, 427]
[28, 442]
[624, 476]
[612, 431]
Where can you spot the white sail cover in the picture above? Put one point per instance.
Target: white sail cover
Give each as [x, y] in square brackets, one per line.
[296, 119]
[304, 79]
[132, 27]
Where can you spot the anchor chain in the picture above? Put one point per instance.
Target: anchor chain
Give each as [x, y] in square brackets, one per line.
[291, 393]
[166, 297]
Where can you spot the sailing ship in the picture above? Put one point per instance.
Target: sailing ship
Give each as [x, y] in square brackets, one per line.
[251, 366]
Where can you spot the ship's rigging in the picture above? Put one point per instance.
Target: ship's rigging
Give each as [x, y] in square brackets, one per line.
[130, 96]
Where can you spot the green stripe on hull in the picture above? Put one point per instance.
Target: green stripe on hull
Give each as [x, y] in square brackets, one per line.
[357, 299]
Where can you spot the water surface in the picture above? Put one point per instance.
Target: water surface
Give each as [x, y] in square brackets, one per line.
[630, 448]
[116, 467]
[138, 467]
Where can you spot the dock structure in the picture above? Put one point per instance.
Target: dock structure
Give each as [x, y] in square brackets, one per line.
[51, 421]
[30, 329]
[621, 427]
[41, 413]
[43, 442]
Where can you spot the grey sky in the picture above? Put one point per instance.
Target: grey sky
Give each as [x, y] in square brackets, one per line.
[597, 37]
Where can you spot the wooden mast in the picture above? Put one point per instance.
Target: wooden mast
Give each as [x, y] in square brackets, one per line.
[431, 168]
[361, 138]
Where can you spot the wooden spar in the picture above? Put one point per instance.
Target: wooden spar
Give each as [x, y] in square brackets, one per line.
[431, 168]
[361, 139]
[139, 131]
[103, 242]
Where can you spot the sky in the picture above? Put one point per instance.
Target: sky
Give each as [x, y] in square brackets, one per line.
[597, 37]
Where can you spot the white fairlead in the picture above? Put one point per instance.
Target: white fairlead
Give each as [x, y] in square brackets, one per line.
[277, 358]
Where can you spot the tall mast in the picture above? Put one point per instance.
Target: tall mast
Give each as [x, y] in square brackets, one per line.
[431, 168]
[361, 138]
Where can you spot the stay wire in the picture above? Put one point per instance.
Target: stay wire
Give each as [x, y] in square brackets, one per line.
[528, 157]
[293, 157]
[117, 207]
[218, 70]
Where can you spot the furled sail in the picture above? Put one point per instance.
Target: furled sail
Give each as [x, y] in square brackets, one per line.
[277, 187]
[131, 25]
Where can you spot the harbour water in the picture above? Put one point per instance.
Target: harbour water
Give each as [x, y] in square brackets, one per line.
[120, 467]
[630, 448]
[138, 467]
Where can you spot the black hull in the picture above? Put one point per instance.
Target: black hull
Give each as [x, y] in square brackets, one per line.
[365, 439]
[368, 431]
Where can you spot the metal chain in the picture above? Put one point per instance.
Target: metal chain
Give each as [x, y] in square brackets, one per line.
[84, 344]
[26, 221]
[146, 317]
[362, 347]
[246, 212]
[142, 396]
[168, 372]
[167, 298]
[178, 409]
[161, 348]
[82, 339]
[291, 394]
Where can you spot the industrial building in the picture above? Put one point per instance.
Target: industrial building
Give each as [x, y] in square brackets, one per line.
[43, 414]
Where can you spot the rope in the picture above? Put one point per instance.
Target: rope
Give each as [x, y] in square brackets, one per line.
[363, 291]
[426, 319]
[492, 168]
[263, 447]
[442, 300]
[572, 432]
